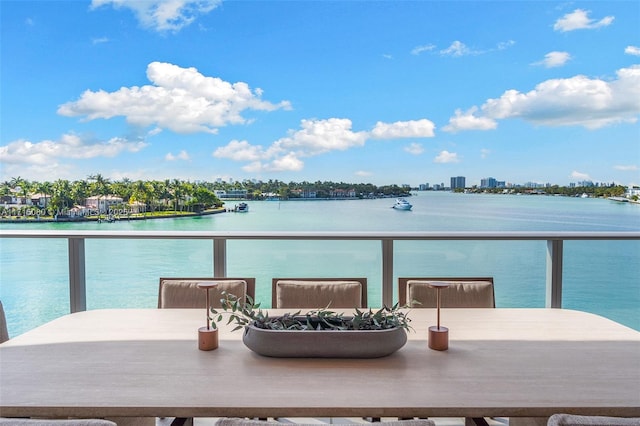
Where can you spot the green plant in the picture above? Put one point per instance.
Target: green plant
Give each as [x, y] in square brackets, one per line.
[249, 312]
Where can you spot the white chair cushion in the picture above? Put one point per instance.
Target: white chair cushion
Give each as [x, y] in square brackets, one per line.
[459, 294]
[575, 420]
[318, 294]
[186, 294]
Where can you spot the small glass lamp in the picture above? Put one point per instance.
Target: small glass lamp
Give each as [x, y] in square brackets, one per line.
[438, 335]
[208, 336]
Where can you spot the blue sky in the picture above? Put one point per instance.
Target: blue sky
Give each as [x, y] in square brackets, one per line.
[355, 91]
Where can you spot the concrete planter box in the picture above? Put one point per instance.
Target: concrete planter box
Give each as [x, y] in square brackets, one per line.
[324, 343]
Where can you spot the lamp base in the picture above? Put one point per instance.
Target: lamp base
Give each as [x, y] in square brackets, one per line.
[207, 339]
[438, 338]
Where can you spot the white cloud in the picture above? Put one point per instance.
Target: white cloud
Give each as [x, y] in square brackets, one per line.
[484, 153]
[554, 59]
[100, 40]
[317, 137]
[579, 20]
[446, 157]
[163, 15]
[47, 158]
[240, 151]
[182, 155]
[414, 148]
[579, 175]
[403, 129]
[575, 101]
[632, 50]
[314, 138]
[363, 173]
[289, 162]
[421, 49]
[70, 146]
[180, 99]
[457, 49]
[626, 168]
[506, 44]
[468, 121]
[320, 136]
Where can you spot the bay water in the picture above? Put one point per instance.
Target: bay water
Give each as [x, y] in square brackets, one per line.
[602, 277]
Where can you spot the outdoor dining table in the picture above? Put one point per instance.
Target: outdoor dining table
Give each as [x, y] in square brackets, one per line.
[146, 362]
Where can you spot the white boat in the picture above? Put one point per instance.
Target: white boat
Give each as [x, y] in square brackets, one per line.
[402, 204]
[241, 208]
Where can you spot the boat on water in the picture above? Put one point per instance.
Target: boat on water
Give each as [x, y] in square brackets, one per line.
[241, 208]
[619, 199]
[402, 204]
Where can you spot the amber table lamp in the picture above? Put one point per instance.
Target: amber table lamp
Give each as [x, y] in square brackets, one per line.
[438, 335]
[208, 336]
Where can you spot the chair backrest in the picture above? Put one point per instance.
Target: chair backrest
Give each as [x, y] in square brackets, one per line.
[184, 292]
[461, 293]
[4, 333]
[576, 420]
[46, 422]
[314, 293]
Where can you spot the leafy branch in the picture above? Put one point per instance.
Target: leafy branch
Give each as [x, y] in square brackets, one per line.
[242, 314]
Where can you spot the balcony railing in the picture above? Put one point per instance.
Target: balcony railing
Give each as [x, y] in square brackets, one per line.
[554, 252]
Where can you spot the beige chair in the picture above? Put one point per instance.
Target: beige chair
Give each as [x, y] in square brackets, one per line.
[184, 292]
[45, 422]
[4, 333]
[575, 420]
[249, 422]
[314, 293]
[461, 293]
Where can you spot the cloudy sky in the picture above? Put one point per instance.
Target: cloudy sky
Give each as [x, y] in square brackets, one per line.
[381, 92]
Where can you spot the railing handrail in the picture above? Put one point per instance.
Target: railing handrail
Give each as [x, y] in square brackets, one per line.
[76, 248]
[325, 235]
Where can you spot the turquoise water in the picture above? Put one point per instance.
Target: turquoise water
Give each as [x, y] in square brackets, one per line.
[599, 276]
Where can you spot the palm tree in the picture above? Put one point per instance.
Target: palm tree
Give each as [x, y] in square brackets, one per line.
[142, 192]
[61, 199]
[123, 189]
[79, 192]
[100, 186]
[22, 186]
[45, 188]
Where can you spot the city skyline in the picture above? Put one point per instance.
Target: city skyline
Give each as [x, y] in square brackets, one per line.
[381, 92]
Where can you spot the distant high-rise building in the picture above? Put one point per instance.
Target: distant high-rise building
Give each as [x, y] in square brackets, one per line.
[458, 182]
[488, 182]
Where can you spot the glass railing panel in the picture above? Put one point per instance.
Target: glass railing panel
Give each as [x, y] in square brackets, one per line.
[126, 273]
[517, 267]
[265, 260]
[34, 281]
[605, 284]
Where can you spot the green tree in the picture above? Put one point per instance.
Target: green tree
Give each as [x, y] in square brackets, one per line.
[46, 189]
[101, 187]
[61, 199]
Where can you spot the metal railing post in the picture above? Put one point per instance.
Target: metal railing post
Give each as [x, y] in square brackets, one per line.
[77, 279]
[387, 272]
[219, 257]
[554, 274]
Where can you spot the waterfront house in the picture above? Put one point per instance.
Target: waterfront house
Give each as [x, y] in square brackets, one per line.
[39, 200]
[103, 202]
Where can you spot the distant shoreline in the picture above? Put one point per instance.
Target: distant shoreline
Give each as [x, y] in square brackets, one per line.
[107, 218]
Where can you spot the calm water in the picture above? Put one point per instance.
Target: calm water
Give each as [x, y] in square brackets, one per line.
[600, 277]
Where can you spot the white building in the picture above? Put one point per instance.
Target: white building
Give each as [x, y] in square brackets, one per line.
[103, 202]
